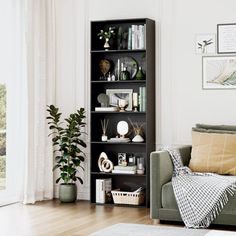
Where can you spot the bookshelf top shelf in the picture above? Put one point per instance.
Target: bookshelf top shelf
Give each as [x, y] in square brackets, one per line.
[117, 81]
[118, 51]
[103, 173]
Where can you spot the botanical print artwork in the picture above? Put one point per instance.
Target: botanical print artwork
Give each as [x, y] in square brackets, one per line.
[205, 44]
[219, 72]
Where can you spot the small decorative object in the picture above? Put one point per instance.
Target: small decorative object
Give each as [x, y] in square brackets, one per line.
[122, 129]
[104, 164]
[104, 66]
[226, 35]
[113, 78]
[122, 159]
[104, 124]
[123, 104]
[140, 75]
[140, 165]
[131, 160]
[135, 101]
[106, 35]
[109, 77]
[131, 66]
[137, 128]
[219, 72]
[68, 144]
[205, 44]
[124, 75]
[116, 94]
[103, 99]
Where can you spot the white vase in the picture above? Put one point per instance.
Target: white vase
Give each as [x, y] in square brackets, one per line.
[104, 138]
[138, 139]
[106, 45]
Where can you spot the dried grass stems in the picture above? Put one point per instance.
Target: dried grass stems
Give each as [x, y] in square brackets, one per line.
[137, 127]
[104, 124]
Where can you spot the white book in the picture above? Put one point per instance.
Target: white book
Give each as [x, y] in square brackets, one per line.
[126, 168]
[103, 186]
[124, 171]
[106, 108]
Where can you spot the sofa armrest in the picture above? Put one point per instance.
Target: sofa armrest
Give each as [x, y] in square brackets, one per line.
[161, 169]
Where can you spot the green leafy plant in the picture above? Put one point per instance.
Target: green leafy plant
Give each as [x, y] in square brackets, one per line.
[66, 138]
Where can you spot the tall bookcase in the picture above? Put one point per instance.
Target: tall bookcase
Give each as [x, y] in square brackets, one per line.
[145, 58]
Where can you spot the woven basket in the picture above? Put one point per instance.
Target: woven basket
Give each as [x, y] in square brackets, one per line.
[131, 198]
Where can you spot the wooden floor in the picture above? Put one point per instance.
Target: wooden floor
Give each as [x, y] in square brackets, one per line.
[53, 218]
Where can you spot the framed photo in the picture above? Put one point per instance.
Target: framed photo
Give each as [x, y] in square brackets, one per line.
[122, 159]
[226, 38]
[205, 44]
[116, 94]
[219, 72]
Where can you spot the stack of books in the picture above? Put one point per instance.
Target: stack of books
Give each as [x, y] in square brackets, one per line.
[125, 169]
[142, 99]
[103, 187]
[136, 37]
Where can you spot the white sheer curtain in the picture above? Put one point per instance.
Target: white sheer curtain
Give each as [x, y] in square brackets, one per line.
[39, 23]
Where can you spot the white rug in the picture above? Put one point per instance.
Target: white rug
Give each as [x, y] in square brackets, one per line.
[152, 230]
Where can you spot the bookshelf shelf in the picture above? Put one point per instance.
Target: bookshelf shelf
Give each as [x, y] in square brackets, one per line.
[145, 58]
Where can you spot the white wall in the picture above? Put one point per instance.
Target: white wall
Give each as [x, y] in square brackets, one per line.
[181, 102]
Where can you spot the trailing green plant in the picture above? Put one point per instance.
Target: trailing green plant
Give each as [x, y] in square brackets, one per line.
[67, 142]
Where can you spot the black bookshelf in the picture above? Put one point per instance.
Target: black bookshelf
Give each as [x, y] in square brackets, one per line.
[146, 57]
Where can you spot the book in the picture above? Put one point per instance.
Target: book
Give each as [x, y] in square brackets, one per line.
[106, 108]
[103, 186]
[124, 171]
[126, 168]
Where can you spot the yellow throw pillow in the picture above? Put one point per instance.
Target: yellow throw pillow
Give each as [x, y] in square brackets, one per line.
[213, 152]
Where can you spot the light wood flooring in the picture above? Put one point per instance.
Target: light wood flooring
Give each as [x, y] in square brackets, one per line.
[53, 218]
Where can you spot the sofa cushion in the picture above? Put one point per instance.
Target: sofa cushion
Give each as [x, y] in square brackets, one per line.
[217, 127]
[213, 152]
[169, 202]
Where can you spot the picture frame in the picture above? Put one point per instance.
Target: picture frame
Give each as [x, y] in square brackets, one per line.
[116, 94]
[226, 38]
[122, 159]
[205, 44]
[219, 72]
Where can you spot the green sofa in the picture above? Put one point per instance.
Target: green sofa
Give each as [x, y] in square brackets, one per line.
[163, 203]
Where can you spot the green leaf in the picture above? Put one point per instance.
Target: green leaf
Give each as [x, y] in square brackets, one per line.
[58, 180]
[56, 166]
[80, 180]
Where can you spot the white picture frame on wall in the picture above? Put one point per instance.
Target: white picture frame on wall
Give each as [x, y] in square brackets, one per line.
[219, 72]
[205, 44]
[226, 38]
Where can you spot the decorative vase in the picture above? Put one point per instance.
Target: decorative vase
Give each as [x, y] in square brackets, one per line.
[68, 192]
[124, 74]
[106, 45]
[140, 75]
[138, 139]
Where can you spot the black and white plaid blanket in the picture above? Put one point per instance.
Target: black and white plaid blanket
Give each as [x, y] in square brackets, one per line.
[200, 196]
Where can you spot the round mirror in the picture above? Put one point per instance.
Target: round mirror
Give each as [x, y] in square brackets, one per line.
[122, 128]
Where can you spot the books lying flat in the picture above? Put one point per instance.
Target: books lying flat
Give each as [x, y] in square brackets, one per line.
[126, 168]
[124, 171]
[106, 108]
[122, 140]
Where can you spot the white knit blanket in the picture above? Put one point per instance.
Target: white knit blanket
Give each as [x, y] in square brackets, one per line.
[200, 196]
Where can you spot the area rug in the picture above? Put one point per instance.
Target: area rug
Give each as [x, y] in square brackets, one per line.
[123, 229]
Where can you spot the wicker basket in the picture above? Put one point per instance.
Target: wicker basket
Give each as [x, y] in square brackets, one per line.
[131, 198]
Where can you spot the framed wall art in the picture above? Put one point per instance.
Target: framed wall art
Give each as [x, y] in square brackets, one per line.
[226, 38]
[219, 72]
[117, 94]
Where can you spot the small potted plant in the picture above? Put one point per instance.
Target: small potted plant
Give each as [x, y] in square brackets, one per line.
[106, 35]
[68, 144]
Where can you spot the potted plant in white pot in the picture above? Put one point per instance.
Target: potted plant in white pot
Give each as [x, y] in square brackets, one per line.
[68, 144]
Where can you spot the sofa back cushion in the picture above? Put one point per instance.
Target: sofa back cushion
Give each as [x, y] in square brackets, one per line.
[213, 151]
